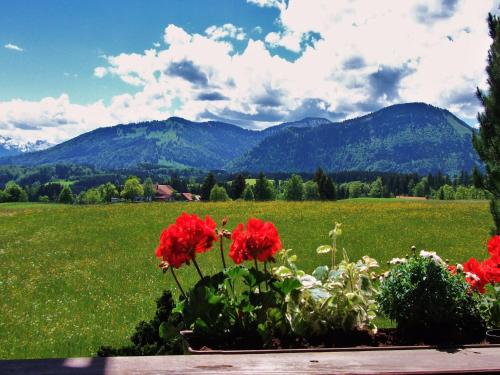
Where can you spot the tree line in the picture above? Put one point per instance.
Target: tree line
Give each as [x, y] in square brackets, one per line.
[295, 187]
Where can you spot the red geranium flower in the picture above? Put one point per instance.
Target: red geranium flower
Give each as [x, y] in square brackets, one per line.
[259, 241]
[494, 247]
[492, 269]
[452, 269]
[475, 275]
[180, 242]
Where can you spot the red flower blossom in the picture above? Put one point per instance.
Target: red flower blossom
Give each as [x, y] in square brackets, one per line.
[180, 242]
[494, 247]
[452, 269]
[491, 267]
[260, 240]
[475, 275]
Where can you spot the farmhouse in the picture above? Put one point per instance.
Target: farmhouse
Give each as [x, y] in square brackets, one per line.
[164, 193]
[189, 197]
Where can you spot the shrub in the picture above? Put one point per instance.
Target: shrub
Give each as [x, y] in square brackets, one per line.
[430, 303]
[311, 191]
[66, 195]
[43, 199]
[218, 194]
[91, 196]
[14, 193]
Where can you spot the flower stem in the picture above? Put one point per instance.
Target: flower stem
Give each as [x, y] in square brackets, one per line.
[198, 269]
[267, 275]
[177, 281]
[257, 268]
[222, 252]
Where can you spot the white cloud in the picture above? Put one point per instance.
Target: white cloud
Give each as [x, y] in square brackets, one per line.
[156, 44]
[100, 71]
[13, 47]
[369, 55]
[287, 39]
[280, 4]
[227, 30]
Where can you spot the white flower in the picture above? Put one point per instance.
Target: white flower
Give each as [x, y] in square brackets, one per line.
[431, 254]
[398, 261]
[472, 276]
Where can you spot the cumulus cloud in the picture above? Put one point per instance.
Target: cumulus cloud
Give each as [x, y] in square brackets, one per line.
[227, 30]
[354, 57]
[100, 72]
[13, 47]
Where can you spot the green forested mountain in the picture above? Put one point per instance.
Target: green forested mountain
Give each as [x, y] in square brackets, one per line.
[413, 138]
[404, 138]
[175, 142]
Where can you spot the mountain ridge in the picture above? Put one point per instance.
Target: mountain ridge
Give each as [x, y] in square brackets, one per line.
[398, 138]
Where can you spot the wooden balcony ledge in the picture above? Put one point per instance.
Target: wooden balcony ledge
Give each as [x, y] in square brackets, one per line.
[480, 360]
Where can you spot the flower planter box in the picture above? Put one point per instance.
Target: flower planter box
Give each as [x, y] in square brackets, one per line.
[493, 336]
[194, 348]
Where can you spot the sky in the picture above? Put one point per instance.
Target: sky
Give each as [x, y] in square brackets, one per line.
[70, 66]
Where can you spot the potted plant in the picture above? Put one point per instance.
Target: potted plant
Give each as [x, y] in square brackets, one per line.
[266, 302]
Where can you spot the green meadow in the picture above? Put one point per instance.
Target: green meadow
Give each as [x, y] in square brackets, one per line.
[73, 278]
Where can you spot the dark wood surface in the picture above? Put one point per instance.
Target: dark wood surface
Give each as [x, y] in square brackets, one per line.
[424, 361]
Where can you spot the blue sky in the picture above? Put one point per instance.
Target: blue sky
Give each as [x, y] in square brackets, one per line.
[69, 66]
[64, 40]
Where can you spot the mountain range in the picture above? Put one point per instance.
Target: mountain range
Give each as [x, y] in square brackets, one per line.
[412, 137]
[9, 147]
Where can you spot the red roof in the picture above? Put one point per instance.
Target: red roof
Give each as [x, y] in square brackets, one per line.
[188, 196]
[164, 191]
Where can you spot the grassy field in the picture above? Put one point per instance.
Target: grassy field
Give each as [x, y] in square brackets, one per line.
[73, 278]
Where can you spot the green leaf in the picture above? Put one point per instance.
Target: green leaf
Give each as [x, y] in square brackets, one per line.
[321, 272]
[287, 285]
[283, 271]
[236, 272]
[215, 299]
[168, 331]
[324, 249]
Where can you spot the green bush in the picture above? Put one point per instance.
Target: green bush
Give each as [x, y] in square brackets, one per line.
[218, 194]
[66, 195]
[43, 199]
[428, 303]
[311, 191]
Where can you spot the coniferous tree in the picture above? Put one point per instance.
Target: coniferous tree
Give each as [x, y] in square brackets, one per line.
[248, 194]
[238, 186]
[325, 185]
[263, 189]
[207, 186]
[487, 142]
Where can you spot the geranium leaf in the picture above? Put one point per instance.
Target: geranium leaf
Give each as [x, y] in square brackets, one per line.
[324, 249]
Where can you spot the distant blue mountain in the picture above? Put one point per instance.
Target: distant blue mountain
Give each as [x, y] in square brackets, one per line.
[9, 147]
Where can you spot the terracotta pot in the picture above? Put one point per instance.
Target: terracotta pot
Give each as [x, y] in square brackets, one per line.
[493, 336]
